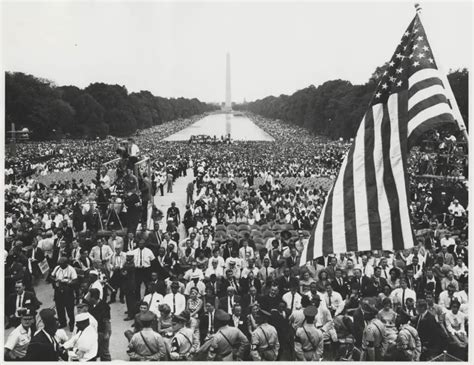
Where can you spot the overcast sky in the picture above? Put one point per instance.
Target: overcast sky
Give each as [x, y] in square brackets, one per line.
[178, 49]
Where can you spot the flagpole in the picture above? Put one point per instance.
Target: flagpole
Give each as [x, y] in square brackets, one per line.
[454, 105]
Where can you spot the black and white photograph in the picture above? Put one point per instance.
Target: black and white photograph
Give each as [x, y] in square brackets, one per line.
[235, 180]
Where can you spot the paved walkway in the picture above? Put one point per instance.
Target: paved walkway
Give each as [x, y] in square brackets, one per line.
[118, 342]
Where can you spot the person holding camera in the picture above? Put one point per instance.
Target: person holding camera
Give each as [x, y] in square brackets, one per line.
[64, 278]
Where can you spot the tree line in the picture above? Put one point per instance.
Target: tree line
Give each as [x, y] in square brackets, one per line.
[336, 108]
[98, 110]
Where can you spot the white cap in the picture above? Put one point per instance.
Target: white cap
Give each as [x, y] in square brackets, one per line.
[93, 272]
[82, 317]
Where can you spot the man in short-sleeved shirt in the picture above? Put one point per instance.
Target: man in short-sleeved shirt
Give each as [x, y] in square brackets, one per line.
[19, 339]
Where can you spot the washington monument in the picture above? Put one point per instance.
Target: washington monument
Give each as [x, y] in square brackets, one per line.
[228, 98]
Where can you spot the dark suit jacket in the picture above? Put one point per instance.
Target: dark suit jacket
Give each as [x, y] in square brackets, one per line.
[41, 349]
[429, 331]
[29, 301]
[246, 302]
[223, 302]
[204, 326]
[359, 326]
[284, 285]
[226, 283]
[245, 285]
[268, 303]
[101, 312]
[343, 289]
[370, 288]
[243, 325]
[39, 254]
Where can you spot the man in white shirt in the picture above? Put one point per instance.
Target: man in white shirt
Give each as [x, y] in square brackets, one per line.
[216, 256]
[214, 269]
[83, 345]
[115, 241]
[447, 296]
[143, 257]
[154, 299]
[19, 339]
[96, 283]
[366, 268]
[460, 269]
[333, 300]
[175, 300]
[101, 254]
[401, 294]
[193, 270]
[292, 299]
[195, 282]
[266, 270]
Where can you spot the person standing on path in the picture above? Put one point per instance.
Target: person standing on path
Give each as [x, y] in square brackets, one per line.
[169, 179]
[189, 193]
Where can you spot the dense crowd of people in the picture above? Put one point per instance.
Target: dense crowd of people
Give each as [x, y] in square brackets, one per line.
[222, 280]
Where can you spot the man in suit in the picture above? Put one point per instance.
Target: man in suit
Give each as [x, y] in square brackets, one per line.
[227, 303]
[101, 312]
[286, 281]
[250, 298]
[17, 301]
[340, 284]
[448, 258]
[428, 283]
[371, 287]
[248, 281]
[230, 280]
[271, 300]
[428, 330]
[207, 325]
[239, 320]
[43, 345]
[35, 255]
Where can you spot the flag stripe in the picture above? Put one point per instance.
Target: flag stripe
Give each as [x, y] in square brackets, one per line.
[427, 103]
[360, 192]
[397, 112]
[434, 122]
[383, 206]
[327, 224]
[350, 214]
[422, 75]
[424, 84]
[428, 114]
[371, 183]
[338, 211]
[389, 181]
[425, 94]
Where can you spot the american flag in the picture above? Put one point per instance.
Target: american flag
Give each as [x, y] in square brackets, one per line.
[367, 208]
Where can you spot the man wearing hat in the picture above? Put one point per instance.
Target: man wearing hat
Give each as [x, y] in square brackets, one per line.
[65, 277]
[197, 283]
[95, 283]
[374, 343]
[146, 345]
[83, 345]
[264, 343]
[229, 343]
[309, 342]
[18, 340]
[182, 343]
[43, 345]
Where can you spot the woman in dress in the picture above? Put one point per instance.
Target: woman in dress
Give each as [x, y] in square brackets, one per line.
[322, 281]
[305, 282]
[251, 321]
[455, 325]
[394, 280]
[164, 322]
[388, 317]
[194, 306]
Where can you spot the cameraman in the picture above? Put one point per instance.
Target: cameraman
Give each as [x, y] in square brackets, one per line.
[64, 277]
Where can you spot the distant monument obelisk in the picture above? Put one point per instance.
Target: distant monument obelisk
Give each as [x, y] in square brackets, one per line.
[228, 98]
